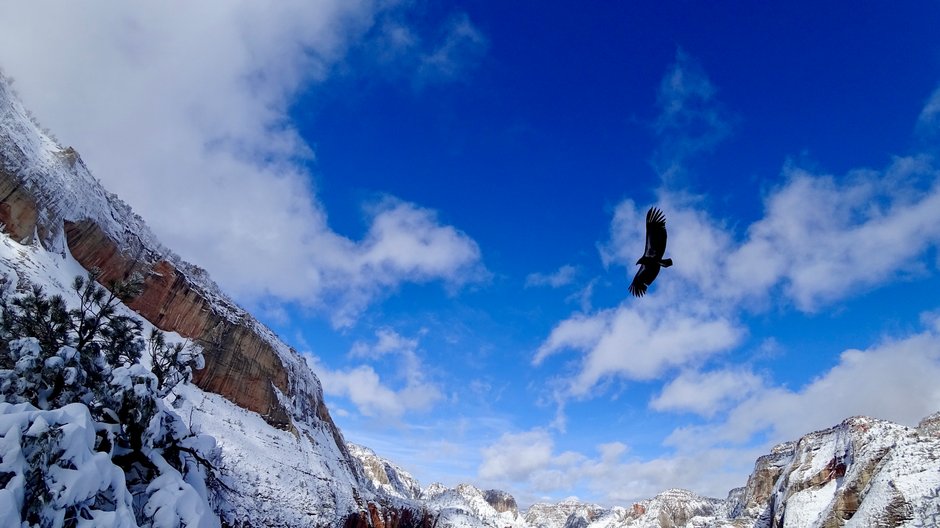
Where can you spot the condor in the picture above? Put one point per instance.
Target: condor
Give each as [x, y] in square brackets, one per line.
[652, 258]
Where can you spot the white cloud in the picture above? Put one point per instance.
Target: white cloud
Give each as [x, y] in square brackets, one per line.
[578, 332]
[182, 110]
[894, 380]
[562, 277]
[821, 238]
[371, 395]
[528, 463]
[635, 343]
[368, 391]
[705, 393]
[824, 238]
[407, 241]
[405, 350]
[515, 456]
[387, 342]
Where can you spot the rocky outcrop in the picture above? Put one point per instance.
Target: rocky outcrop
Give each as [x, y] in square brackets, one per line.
[384, 475]
[673, 508]
[376, 517]
[930, 426]
[753, 500]
[501, 501]
[18, 214]
[862, 472]
[557, 515]
[466, 506]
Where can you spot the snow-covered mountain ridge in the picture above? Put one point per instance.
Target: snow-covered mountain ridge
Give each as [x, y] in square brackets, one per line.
[862, 472]
[287, 464]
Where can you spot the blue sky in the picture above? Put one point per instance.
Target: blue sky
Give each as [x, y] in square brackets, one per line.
[441, 206]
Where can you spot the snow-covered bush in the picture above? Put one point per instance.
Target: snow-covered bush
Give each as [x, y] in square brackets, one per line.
[52, 473]
[87, 438]
[48, 382]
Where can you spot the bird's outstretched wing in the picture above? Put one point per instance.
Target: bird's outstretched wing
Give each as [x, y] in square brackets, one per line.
[643, 278]
[655, 234]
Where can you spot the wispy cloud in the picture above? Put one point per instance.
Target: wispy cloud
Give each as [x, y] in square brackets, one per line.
[445, 55]
[461, 46]
[188, 105]
[929, 119]
[706, 393]
[892, 380]
[745, 415]
[529, 463]
[368, 392]
[562, 277]
[691, 120]
[823, 238]
[636, 344]
[516, 455]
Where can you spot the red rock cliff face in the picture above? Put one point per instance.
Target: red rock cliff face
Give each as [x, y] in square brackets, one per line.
[47, 193]
[17, 209]
[240, 364]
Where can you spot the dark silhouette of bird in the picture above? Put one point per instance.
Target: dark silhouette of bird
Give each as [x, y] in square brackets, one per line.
[652, 258]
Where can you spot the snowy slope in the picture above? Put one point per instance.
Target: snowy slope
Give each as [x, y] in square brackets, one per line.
[466, 506]
[277, 477]
[386, 476]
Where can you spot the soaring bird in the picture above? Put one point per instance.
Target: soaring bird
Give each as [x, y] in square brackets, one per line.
[652, 258]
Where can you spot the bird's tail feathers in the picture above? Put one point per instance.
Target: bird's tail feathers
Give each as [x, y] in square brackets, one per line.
[665, 263]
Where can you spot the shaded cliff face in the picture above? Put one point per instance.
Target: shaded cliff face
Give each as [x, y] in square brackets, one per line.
[501, 501]
[18, 213]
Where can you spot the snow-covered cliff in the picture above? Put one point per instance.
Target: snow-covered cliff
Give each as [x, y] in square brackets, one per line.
[861, 473]
[255, 395]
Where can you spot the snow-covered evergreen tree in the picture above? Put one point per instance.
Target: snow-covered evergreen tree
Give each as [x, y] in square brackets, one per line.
[86, 437]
